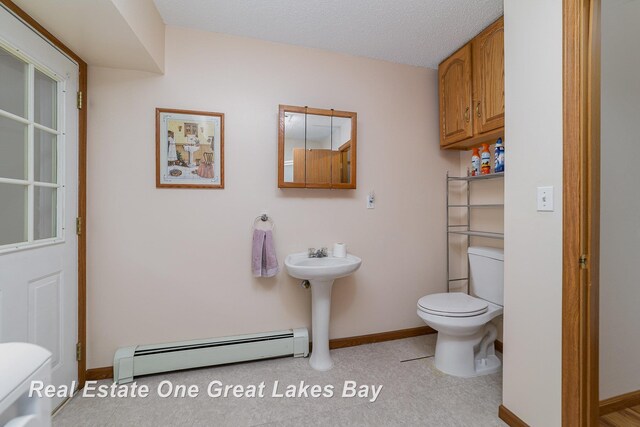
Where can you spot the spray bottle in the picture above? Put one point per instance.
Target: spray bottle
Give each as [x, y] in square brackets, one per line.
[475, 162]
[499, 156]
[485, 160]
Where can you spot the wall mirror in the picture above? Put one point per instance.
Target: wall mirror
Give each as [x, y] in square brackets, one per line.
[316, 148]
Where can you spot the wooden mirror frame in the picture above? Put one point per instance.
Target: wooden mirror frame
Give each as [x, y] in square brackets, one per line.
[317, 111]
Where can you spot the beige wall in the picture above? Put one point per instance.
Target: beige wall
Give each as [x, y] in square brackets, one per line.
[108, 33]
[147, 25]
[620, 200]
[168, 265]
[533, 240]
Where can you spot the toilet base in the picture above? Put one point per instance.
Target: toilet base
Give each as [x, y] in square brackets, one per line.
[465, 346]
[460, 356]
[489, 365]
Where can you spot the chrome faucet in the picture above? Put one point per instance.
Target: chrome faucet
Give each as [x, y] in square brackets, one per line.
[320, 253]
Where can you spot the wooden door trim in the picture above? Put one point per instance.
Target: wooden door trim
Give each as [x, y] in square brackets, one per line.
[510, 418]
[581, 105]
[82, 180]
[617, 403]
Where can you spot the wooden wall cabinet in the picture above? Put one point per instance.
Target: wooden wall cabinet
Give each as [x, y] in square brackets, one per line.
[454, 77]
[316, 148]
[471, 91]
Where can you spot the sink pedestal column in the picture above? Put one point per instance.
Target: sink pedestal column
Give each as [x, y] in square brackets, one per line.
[320, 311]
[191, 149]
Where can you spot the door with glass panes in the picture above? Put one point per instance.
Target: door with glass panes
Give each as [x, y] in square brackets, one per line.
[38, 196]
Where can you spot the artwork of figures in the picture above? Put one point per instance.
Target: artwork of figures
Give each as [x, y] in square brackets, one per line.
[189, 149]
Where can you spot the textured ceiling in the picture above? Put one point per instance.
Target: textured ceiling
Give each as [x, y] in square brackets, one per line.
[415, 32]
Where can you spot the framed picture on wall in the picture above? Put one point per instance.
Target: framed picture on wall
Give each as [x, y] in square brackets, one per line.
[189, 149]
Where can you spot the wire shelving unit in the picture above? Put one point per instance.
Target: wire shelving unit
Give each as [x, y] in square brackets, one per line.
[465, 229]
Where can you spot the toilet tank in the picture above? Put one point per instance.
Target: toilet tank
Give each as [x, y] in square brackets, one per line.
[486, 269]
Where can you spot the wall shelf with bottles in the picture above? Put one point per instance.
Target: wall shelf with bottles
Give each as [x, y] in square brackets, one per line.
[477, 177]
[465, 229]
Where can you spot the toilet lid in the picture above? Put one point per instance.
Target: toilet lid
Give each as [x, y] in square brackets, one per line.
[455, 304]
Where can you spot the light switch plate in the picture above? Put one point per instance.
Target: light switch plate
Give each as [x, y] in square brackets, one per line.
[371, 201]
[545, 199]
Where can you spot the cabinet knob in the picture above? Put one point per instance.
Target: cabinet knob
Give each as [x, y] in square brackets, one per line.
[478, 109]
[466, 115]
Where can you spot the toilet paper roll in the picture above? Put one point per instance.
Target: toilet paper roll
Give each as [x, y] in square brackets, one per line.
[339, 250]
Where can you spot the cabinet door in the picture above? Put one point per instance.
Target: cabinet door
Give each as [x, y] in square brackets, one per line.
[454, 80]
[488, 78]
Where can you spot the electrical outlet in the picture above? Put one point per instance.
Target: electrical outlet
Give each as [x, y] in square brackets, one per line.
[545, 199]
[371, 201]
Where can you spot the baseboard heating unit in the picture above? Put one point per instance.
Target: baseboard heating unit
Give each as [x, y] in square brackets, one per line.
[133, 361]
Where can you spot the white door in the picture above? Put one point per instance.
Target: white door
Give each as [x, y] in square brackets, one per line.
[38, 196]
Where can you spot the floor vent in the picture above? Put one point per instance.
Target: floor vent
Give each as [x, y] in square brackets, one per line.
[133, 361]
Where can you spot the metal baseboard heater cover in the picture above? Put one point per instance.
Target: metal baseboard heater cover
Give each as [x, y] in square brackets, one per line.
[133, 361]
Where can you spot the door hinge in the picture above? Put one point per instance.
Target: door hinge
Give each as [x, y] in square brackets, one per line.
[583, 261]
[79, 351]
[79, 100]
[78, 226]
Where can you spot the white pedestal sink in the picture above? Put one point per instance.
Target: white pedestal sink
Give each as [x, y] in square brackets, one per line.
[320, 272]
[191, 149]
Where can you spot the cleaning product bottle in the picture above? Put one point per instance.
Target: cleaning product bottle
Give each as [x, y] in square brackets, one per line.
[485, 160]
[475, 162]
[499, 156]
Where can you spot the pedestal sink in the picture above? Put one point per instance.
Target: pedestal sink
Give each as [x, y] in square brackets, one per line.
[320, 272]
[191, 149]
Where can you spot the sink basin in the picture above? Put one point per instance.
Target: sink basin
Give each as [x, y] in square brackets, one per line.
[320, 272]
[301, 266]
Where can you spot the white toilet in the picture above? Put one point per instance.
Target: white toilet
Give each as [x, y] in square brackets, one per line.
[465, 333]
[21, 364]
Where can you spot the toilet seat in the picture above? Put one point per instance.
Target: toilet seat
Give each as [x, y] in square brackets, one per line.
[455, 304]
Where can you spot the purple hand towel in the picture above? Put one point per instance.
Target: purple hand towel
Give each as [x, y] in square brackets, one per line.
[269, 261]
[256, 252]
[263, 254]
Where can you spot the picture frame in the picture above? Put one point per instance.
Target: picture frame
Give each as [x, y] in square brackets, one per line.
[189, 149]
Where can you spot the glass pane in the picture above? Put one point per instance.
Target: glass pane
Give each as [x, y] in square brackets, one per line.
[13, 149]
[45, 156]
[318, 149]
[13, 213]
[318, 135]
[13, 84]
[341, 130]
[294, 167]
[45, 100]
[45, 209]
[341, 147]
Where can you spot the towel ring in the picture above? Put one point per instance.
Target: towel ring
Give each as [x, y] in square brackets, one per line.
[263, 218]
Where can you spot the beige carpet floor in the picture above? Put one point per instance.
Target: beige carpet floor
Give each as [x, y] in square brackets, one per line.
[414, 393]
